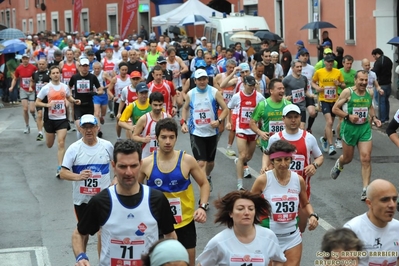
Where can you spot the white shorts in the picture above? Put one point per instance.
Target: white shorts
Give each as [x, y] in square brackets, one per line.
[288, 241]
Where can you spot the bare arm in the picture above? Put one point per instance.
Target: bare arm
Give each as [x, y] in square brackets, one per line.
[303, 199]
[230, 80]
[138, 129]
[186, 106]
[259, 184]
[79, 246]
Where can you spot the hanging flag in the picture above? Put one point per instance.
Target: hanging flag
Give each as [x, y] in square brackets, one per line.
[129, 9]
[77, 8]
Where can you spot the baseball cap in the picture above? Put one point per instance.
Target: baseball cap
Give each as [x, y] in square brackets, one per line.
[29, 37]
[84, 61]
[161, 59]
[142, 48]
[88, 47]
[25, 55]
[203, 38]
[43, 45]
[125, 40]
[244, 67]
[291, 108]
[299, 42]
[90, 43]
[200, 63]
[327, 51]
[303, 51]
[250, 80]
[90, 52]
[329, 58]
[141, 87]
[326, 43]
[200, 73]
[169, 250]
[117, 36]
[135, 74]
[108, 48]
[116, 44]
[88, 119]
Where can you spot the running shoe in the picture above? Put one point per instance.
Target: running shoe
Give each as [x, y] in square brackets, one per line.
[336, 170]
[27, 130]
[240, 187]
[331, 150]
[247, 173]
[338, 144]
[112, 115]
[210, 183]
[363, 197]
[230, 152]
[58, 172]
[39, 137]
[324, 144]
[102, 120]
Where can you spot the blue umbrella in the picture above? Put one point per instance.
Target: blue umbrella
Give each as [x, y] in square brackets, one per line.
[267, 35]
[193, 20]
[394, 41]
[317, 25]
[9, 34]
[13, 46]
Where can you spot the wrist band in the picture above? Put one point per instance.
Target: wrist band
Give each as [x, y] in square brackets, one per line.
[82, 256]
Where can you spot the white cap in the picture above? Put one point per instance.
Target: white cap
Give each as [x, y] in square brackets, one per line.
[203, 38]
[29, 37]
[69, 37]
[291, 108]
[84, 61]
[200, 73]
[88, 119]
[125, 40]
[90, 43]
[88, 47]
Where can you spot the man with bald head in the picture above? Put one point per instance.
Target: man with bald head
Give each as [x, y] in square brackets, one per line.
[372, 83]
[377, 228]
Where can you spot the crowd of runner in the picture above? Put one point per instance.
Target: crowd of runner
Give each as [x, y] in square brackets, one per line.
[266, 98]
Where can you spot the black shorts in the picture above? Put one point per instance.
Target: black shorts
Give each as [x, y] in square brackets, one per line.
[204, 148]
[80, 110]
[39, 109]
[326, 108]
[310, 101]
[187, 235]
[116, 108]
[52, 126]
[303, 116]
[80, 210]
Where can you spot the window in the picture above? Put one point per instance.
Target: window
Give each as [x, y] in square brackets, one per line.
[26, 4]
[44, 26]
[68, 20]
[24, 29]
[350, 21]
[39, 22]
[279, 17]
[112, 18]
[14, 18]
[54, 21]
[8, 23]
[2, 17]
[314, 15]
[84, 20]
[31, 29]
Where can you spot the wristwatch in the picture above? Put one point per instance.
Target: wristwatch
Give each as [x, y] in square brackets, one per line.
[346, 117]
[204, 206]
[314, 215]
[220, 121]
[315, 165]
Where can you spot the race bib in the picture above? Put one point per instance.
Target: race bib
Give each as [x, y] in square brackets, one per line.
[126, 252]
[90, 186]
[175, 207]
[246, 113]
[276, 126]
[57, 111]
[284, 207]
[202, 117]
[153, 144]
[227, 95]
[83, 86]
[247, 260]
[362, 113]
[298, 164]
[298, 95]
[39, 86]
[66, 81]
[25, 82]
[330, 93]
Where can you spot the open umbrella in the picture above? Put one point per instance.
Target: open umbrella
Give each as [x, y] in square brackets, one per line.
[316, 25]
[242, 36]
[394, 41]
[3, 27]
[193, 20]
[13, 46]
[267, 35]
[174, 29]
[9, 34]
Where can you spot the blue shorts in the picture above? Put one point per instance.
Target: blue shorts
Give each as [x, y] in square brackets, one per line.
[101, 99]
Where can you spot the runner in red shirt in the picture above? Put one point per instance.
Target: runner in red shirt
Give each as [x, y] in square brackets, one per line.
[166, 88]
[27, 94]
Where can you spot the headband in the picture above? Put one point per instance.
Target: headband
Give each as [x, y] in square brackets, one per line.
[280, 154]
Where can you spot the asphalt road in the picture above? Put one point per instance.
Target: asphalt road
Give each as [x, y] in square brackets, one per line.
[36, 211]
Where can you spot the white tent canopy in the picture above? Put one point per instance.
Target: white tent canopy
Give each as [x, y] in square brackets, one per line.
[191, 7]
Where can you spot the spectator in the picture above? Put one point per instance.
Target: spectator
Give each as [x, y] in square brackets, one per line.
[143, 33]
[300, 46]
[325, 43]
[339, 57]
[286, 58]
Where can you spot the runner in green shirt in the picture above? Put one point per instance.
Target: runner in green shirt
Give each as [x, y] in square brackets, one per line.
[269, 113]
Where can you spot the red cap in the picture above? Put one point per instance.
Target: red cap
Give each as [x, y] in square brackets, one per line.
[108, 48]
[116, 44]
[142, 49]
[135, 74]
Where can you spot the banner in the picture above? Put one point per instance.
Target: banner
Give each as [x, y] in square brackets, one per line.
[77, 8]
[129, 9]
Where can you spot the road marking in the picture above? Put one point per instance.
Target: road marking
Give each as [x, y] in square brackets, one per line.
[323, 223]
[4, 125]
[22, 256]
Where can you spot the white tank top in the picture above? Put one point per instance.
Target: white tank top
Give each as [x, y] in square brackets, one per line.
[100, 78]
[203, 110]
[96, 159]
[261, 83]
[129, 232]
[284, 201]
[149, 129]
[119, 85]
[175, 66]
